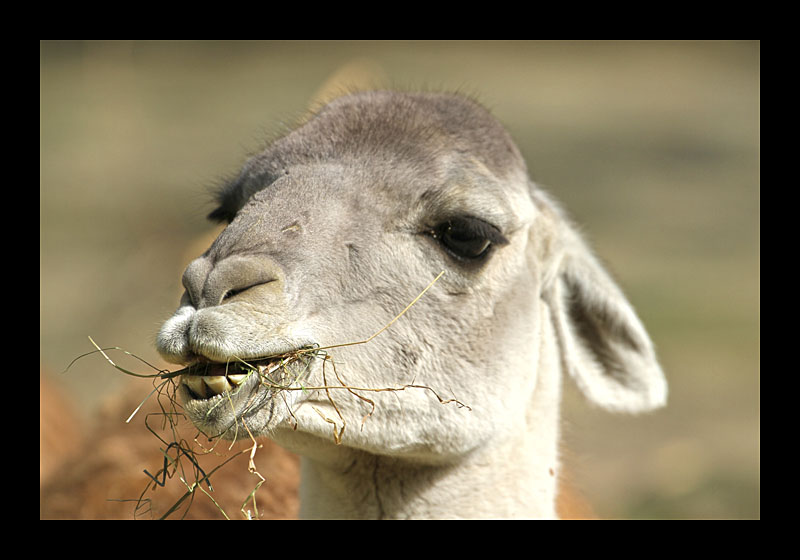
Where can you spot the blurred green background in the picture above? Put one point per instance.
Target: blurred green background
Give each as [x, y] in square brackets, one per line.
[654, 148]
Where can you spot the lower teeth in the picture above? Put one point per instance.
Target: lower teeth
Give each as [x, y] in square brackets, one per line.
[207, 386]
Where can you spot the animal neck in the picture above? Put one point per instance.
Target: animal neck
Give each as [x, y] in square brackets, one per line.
[513, 476]
[497, 483]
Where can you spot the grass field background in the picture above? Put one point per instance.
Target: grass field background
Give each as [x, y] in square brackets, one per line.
[653, 147]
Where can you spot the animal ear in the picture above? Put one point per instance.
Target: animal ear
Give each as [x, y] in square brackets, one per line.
[603, 344]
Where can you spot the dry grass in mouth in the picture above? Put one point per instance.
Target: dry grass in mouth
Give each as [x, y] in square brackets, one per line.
[180, 454]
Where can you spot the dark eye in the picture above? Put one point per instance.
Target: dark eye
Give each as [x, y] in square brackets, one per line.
[468, 238]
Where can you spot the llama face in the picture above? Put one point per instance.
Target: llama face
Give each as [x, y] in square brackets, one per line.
[335, 229]
[332, 232]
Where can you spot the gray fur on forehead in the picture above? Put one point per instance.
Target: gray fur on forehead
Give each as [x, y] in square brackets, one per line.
[379, 128]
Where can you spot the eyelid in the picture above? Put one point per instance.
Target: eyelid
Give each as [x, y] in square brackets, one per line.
[478, 228]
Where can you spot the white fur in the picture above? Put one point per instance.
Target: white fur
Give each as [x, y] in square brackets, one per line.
[333, 241]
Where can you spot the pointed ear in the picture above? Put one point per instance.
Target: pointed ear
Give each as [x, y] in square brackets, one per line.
[603, 344]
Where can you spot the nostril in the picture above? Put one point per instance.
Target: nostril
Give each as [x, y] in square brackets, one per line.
[231, 293]
[210, 285]
[194, 277]
[236, 291]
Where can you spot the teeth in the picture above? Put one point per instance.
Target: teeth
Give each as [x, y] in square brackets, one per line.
[217, 383]
[237, 378]
[196, 385]
[205, 386]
